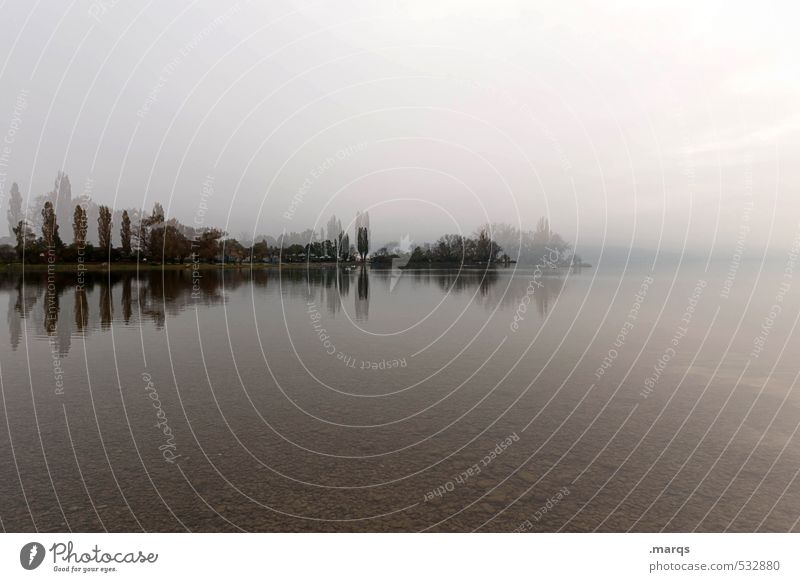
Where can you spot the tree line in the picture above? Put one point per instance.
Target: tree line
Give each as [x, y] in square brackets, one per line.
[152, 238]
[491, 244]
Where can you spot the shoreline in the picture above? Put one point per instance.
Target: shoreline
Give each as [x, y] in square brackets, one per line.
[100, 267]
[104, 267]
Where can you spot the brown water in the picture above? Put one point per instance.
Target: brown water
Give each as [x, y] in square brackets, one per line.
[387, 420]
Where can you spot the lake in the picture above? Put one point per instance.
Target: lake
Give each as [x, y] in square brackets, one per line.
[642, 398]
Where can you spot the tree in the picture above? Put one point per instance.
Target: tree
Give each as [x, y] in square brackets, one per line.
[157, 217]
[104, 229]
[419, 256]
[334, 228]
[294, 251]
[7, 253]
[155, 244]
[233, 250]
[207, 245]
[176, 244]
[79, 226]
[62, 197]
[362, 234]
[542, 234]
[25, 238]
[335, 234]
[168, 243]
[260, 251]
[146, 225]
[344, 246]
[14, 213]
[485, 249]
[363, 242]
[125, 233]
[450, 248]
[529, 247]
[50, 227]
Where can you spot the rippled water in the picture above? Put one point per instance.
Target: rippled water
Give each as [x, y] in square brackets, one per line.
[608, 399]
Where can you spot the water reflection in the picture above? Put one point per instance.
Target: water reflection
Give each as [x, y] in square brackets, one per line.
[362, 301]
[131, 298]
[81, 308]
[105, 306]
[126, 300]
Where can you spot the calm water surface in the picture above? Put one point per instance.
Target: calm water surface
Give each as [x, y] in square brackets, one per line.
[607, 399]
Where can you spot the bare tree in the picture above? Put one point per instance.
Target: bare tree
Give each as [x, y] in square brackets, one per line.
[14, 213]
[542, 234]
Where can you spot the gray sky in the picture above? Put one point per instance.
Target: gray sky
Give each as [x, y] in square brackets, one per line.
[625, 122]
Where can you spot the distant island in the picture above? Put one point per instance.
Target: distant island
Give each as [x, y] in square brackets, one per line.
[102, 238]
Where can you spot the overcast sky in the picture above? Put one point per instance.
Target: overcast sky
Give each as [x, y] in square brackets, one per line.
[625, 122]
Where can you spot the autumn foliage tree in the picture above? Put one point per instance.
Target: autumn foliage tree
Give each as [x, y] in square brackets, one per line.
[50, 227]
[79, 226]
[104, 230]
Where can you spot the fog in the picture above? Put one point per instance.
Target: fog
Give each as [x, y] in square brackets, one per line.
[660, 125]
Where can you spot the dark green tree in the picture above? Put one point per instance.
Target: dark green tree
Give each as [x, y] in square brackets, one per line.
[260, 251]
[79, 226]
[50, 227]
[104, 229]
[344, 246]
[143, 231]
[363, 242]
[233, 250]
[207, 244]
[25, 238]
[171, 244]
[125, 233]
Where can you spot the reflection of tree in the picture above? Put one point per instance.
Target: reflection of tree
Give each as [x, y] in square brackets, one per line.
[25, 298]
[152, 299]
[327, 286]
[162, 294]
[548, 292]
[14, 321]
[546, 288]
[127, 309]
[52, 307]
[362, 301]
[331, 290]
[106, 310]
[81, 308]
[343, 280]
[465, 280]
